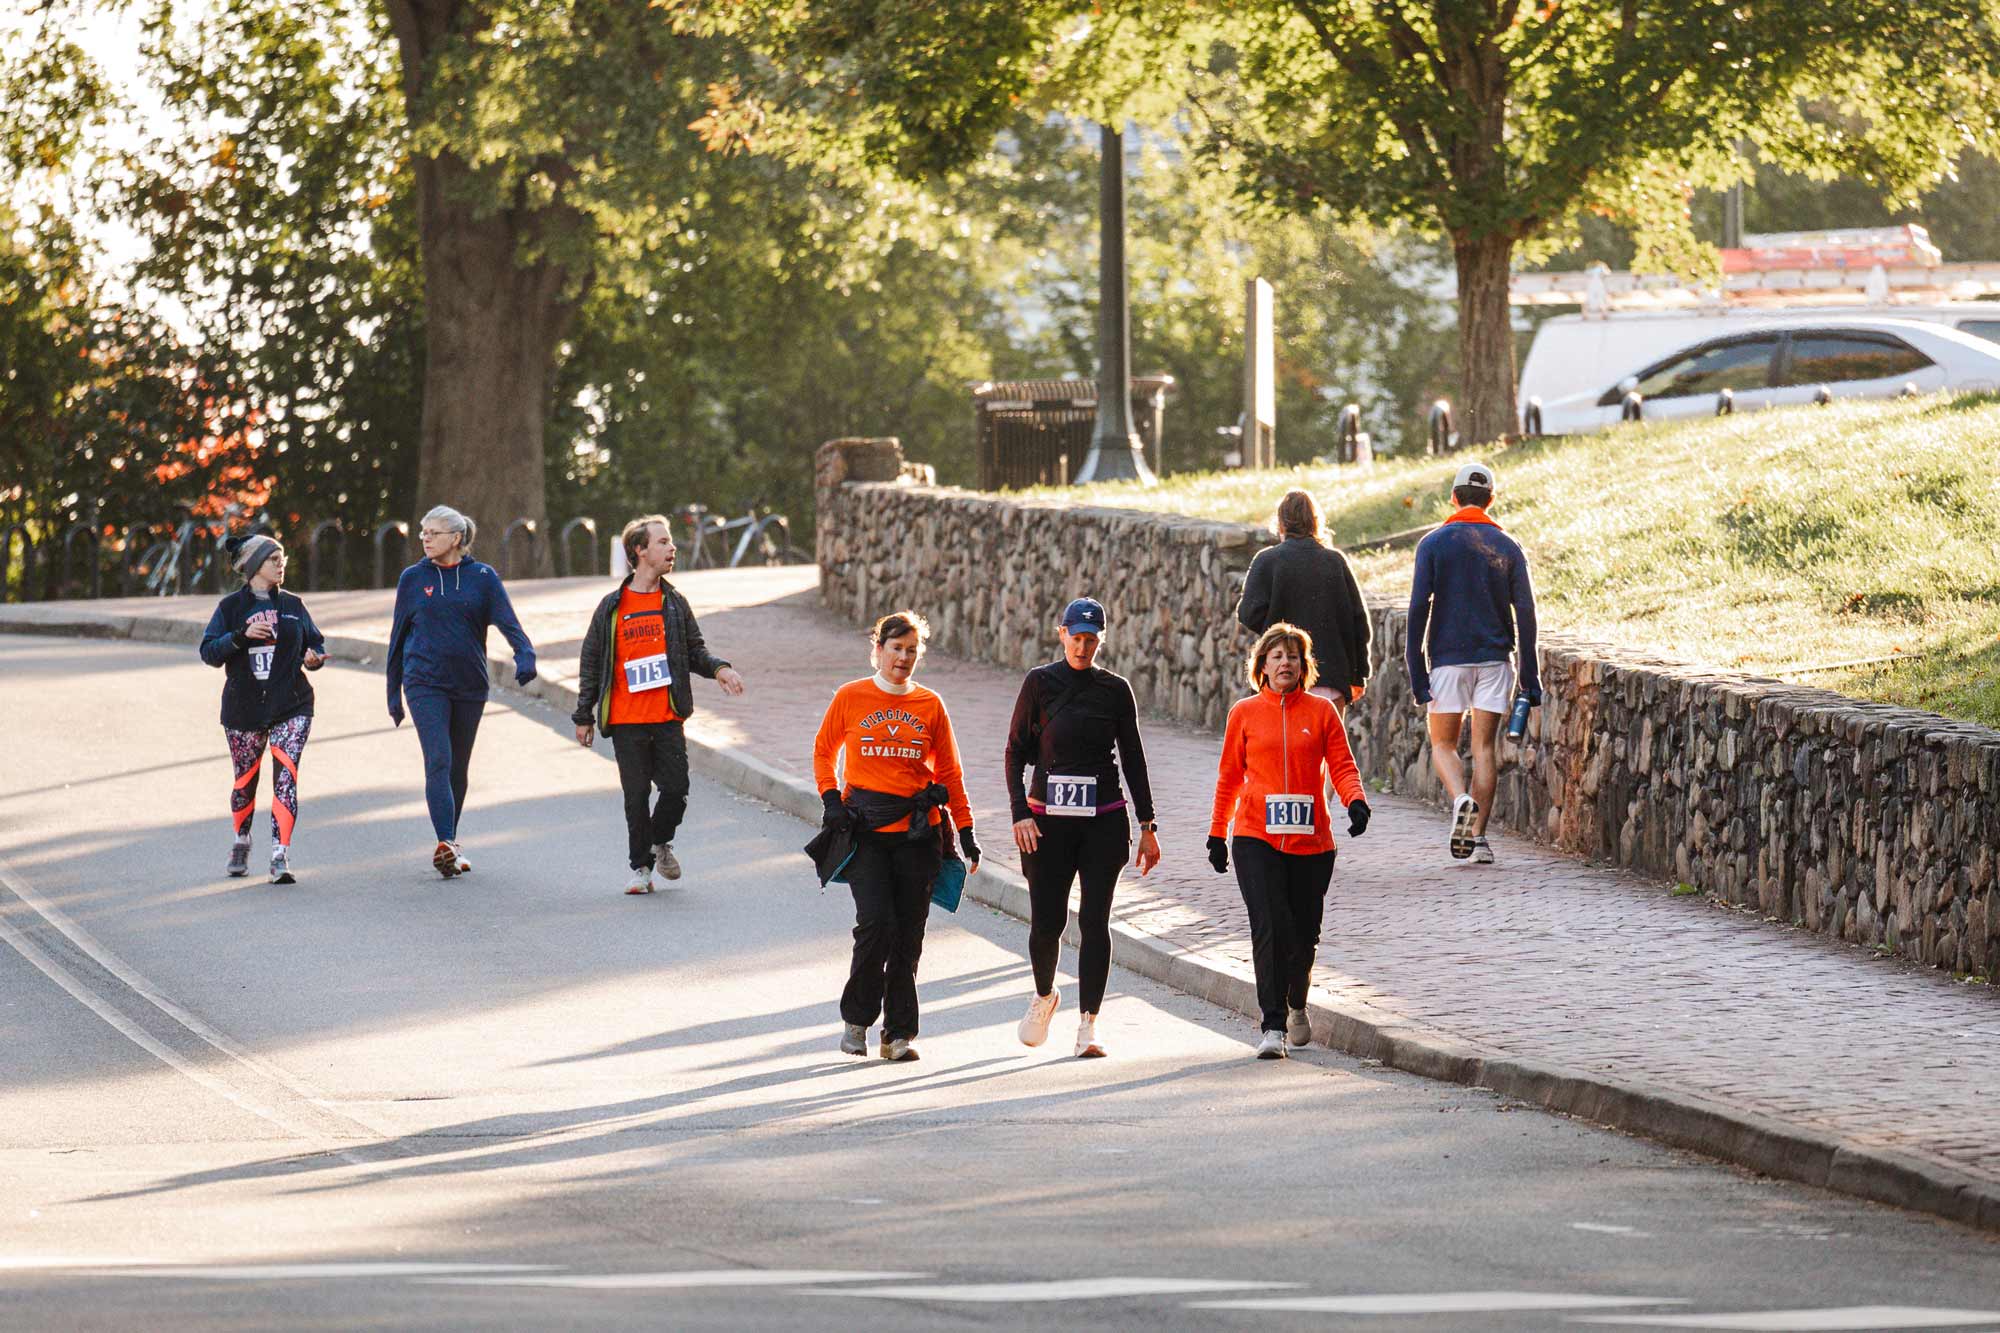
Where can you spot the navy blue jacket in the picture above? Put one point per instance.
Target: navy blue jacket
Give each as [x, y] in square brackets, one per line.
[438, 640]
[250, 704]
[1471, 592]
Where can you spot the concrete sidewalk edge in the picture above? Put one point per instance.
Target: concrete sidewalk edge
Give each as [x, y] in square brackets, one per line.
[1743, 1138]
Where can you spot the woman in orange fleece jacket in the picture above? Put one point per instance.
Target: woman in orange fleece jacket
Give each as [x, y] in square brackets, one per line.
[892, 740]
[1282, 746]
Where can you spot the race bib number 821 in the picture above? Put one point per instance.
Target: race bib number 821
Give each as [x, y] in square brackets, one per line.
[1071, 795]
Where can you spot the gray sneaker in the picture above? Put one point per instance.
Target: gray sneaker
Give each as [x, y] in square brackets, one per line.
[281, 867]
[1482, 852]
[239, 859]
[1271, 1046]
[664, 863]
[853, 1039]
[1298, 1027]
[899, 1050]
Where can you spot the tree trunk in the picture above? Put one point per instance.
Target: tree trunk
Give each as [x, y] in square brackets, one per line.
[492, 325]
[1485, 408]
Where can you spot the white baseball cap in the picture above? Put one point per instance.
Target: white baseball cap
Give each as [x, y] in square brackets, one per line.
[1473, 474]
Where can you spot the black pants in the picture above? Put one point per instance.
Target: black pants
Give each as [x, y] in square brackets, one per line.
[890, 877]
[651, 754]
[1096, 849]
[1286, 898]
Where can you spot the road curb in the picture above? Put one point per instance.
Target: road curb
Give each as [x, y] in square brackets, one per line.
[1743, 1138]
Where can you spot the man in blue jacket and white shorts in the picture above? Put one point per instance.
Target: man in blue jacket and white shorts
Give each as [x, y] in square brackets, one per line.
[1470, 597]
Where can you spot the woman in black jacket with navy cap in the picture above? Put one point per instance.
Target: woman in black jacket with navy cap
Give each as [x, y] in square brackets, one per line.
[263, 639]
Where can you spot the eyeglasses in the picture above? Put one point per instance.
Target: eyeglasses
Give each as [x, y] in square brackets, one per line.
[428, 533]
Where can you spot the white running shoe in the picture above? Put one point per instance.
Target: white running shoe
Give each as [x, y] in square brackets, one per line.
[1298, 1027]
[665, 865]
[281, 867]
[853, 1039]
[639, 881]
[445, 859]
[458, 857]
[1034, 1029]
[1271, 1046]
[1482, 852]
[1463, 811]
[1087, 1045]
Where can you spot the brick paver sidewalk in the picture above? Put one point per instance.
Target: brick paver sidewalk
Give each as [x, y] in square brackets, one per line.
[1539, 956]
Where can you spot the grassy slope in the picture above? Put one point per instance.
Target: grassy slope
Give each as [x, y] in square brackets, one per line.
[1765, 543]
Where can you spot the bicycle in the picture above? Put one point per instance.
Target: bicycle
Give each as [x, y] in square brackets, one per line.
[165, 561]
[768, 539]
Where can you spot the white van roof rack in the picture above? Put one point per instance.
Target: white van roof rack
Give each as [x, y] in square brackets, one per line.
[1601, 291]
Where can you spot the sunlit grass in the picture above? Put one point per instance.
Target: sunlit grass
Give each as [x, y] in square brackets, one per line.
[1772, 543]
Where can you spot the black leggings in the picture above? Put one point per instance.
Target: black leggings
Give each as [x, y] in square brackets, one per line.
[1069, 847]
[1285, 895]
[890, 877]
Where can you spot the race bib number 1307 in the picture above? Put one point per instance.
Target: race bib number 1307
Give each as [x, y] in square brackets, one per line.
[1289, 812]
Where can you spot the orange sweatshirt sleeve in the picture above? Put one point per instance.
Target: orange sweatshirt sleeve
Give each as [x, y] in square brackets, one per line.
[827, 744]
[1228, 775]
[1340, 766]
[945, 763]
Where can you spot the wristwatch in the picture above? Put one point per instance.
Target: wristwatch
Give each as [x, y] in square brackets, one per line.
[1149, 826]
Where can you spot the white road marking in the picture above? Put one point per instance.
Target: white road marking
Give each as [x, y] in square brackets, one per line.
[1441, 1302]
[56, 1263]
[714, 1277]
[1072, 1289]
[86, 944]
[1856, 1317]
[279, 1272]
[1608, 1229]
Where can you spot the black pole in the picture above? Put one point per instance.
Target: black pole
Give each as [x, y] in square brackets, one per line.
[1115, 450]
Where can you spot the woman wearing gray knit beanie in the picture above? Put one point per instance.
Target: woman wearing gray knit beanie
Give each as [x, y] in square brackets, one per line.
[262, 637]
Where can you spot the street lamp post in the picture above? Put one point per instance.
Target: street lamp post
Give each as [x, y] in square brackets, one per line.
[1115, 450]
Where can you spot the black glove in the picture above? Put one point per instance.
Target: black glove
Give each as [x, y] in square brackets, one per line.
[1218, 855]
[969, 844]
[1357, 818]
[835, 814]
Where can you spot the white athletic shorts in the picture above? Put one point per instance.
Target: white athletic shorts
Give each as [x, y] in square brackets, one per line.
[1487, 686]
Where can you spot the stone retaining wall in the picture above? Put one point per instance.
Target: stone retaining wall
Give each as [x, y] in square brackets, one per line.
[1873, 824]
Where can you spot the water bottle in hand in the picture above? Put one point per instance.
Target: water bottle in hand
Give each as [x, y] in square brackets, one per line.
[1517, 720]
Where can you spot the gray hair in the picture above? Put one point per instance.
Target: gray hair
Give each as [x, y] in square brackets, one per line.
[447, 517]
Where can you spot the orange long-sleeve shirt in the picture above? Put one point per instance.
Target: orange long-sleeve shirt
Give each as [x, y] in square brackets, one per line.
[893, 743]
[1277, 744]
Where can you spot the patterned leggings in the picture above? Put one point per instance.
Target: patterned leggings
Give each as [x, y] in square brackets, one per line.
[287, 741]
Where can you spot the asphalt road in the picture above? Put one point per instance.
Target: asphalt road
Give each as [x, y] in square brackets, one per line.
[522, 1099]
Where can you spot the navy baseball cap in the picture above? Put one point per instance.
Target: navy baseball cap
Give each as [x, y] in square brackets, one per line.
[1085, 615]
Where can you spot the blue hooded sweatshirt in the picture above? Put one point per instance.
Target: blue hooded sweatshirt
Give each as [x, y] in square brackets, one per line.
[438, 641]
[1470, 592]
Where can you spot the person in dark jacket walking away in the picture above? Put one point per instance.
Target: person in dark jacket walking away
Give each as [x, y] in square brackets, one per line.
[1470, 597]
[263, 639]
[632, 685]
[1071, 820]
[1303, 581]
[445, 603]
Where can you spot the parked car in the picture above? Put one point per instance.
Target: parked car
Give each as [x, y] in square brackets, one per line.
[1787, 362]
[1572, 353]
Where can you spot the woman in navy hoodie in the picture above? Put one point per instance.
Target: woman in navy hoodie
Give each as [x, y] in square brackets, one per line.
[261, 636]
[445, 603]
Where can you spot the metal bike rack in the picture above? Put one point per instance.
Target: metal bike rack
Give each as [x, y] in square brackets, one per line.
[568, 567]
[314, 567]
[1633, 408]
[526, 525]
[27, 579]
[1822, 396]
[83, 528]
[1355, 446]
[401, 529]
[1725, 402]
[1531, 417]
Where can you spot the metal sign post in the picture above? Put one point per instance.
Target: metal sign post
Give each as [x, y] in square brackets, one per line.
[1260, 379]
[1115, 450]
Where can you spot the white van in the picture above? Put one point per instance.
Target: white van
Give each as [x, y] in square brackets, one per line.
[1573, 354]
